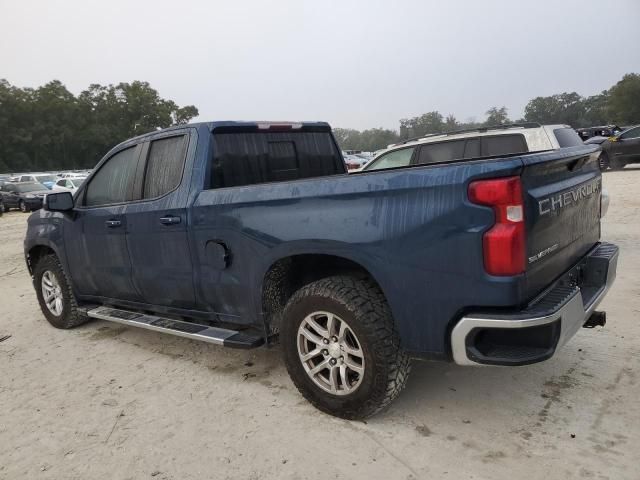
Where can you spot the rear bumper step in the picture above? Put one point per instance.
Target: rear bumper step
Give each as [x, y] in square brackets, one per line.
[203, 333]
[533, 334]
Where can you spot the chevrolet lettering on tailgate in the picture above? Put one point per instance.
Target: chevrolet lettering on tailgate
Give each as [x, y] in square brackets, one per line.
[562, 200]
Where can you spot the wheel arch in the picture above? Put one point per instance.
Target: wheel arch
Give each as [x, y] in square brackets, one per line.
[36, 252]
[288, 274]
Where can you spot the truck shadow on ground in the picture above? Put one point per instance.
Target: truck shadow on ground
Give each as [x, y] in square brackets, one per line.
[436, 388]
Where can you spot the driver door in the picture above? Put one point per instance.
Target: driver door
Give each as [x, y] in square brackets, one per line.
[96, 240]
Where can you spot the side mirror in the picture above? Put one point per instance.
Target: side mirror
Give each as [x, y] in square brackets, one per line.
[59, 202]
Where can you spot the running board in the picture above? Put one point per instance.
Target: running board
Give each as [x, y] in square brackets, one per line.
[195, 331]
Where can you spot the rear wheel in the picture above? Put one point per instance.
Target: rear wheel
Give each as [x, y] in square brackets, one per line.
[57, 302]
[341, 349]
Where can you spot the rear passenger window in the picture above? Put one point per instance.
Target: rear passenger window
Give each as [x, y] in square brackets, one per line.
[441, 152]
[113, 182]
[503, 145]
[567, 137]
[472, 148]
[247, 157]
[165, 163]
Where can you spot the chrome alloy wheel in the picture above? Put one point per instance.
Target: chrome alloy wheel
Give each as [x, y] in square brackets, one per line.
[52, 293]
[331, 353]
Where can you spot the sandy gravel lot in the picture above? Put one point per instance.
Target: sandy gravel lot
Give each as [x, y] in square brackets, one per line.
[104, 401]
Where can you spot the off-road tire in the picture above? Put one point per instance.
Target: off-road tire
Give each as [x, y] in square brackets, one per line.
[70, 316]
[361, 303]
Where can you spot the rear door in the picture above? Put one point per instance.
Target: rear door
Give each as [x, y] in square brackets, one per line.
[244, 162]
[157, 223]
[562, 211]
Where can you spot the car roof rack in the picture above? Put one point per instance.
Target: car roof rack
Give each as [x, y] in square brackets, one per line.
[476, 129]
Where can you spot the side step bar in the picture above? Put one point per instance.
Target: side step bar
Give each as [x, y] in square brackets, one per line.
[203, 333]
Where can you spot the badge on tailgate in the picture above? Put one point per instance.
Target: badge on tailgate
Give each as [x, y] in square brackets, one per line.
[561, 200]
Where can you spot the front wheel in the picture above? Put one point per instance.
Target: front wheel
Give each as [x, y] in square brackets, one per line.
[23, 207]
[57, 302]
[341, 349]
[604, 161]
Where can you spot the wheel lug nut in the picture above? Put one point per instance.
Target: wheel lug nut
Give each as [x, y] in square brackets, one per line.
[325, 352]
[332, 361]
[325, 341]
[334, 339]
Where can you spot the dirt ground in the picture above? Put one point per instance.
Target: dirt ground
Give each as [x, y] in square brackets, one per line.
[104, 401]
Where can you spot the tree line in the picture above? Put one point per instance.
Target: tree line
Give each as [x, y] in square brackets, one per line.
[49, 128]
[619, 105]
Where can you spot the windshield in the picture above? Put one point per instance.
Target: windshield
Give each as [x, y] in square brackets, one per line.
[46, 178]
[32, 187]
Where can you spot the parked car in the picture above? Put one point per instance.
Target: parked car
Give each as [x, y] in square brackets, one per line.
[74, 174]
[485, 142]
[243, 234]
[619, 150]
[1, 206]
[26, 196]
[43, 178]
[69, 184]
[601, 131]
[355, 161]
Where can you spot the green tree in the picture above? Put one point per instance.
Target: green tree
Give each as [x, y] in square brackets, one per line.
[568, 108]
[450, 123]
[596, 111]
[431, 122]
[497, 116]
[624, 100]
[367, 140]
[49, 128]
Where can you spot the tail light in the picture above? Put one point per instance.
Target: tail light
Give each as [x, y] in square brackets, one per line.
[503, 245]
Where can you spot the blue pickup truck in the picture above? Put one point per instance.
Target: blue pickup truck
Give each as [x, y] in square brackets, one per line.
[246, 234]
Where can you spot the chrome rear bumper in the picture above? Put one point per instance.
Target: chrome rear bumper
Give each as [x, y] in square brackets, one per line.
[533, 334]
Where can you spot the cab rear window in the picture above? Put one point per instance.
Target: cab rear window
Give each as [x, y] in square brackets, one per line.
[249, 157]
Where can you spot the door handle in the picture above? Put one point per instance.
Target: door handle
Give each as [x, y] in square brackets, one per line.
[113, 223]
[169, 220]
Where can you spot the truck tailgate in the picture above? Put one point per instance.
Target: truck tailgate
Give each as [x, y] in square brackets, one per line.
[562, 212]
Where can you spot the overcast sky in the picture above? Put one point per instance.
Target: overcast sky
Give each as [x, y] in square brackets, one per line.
[358, 64]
